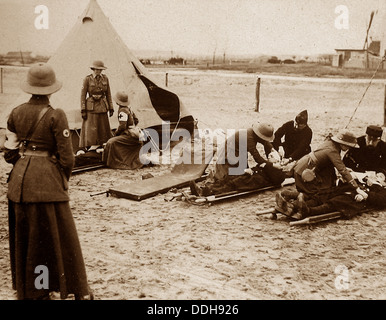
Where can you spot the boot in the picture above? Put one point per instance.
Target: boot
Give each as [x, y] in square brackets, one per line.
[281, 201]
[194, 189]
[284, 206]
[300, 209]
[303, 208]
[206, 191]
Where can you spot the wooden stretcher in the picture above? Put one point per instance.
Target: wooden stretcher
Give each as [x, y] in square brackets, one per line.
[179, 177]
[144, 189]
[87, 162]
[91, 167]
[236, 194]
[309, 220]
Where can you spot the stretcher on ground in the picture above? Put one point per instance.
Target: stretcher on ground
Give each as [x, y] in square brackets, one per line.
[88, 161]
[179, 177]
[233, 194]
[330, 216]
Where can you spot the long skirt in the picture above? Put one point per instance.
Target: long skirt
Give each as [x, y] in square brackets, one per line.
[45, 252]
[123, 152]
[95, 130]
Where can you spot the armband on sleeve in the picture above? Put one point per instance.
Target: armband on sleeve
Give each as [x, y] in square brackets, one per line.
[12, 141]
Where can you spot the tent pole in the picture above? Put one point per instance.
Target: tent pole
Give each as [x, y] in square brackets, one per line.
[166, 79]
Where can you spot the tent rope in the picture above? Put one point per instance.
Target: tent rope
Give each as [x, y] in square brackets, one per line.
[364, 93]
[171, 137]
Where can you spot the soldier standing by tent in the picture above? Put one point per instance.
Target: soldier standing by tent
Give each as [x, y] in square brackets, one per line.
[94, 108]
[42, 232]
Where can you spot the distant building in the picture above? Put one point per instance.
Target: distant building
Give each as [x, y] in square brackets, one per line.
[373, 50]
[374, 47]
[22, 58]
[359, 58]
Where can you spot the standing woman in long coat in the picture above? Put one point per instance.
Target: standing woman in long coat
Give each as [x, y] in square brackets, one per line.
[42, 234]
[96, 104]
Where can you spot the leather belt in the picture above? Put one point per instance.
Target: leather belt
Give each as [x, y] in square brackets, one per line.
[36, 153]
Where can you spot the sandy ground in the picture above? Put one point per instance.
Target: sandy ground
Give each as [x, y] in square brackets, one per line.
[157, 249]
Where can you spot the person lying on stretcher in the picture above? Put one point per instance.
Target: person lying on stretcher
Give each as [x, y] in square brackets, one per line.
[270, 173]
[371, 193]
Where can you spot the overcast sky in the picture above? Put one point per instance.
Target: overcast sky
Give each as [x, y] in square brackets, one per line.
[201, 26]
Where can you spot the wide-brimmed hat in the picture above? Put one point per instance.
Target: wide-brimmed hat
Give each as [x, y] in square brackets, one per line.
[121, 98]
[345, 137]
[98, 64]
[263, 131]
[374, 131]
[41, 80]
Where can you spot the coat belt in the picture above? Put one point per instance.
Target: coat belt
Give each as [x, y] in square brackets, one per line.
[36, 153]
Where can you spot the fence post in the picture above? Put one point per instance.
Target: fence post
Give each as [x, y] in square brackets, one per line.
[1, 79]
[257, 107]
[166, 79]
[384, 109]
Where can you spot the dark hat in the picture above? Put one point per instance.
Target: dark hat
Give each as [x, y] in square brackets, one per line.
[263, 131]
[302, 117]
[345, 137]
[98, 64]
[374, 131]
[41, 80]
[121, 98]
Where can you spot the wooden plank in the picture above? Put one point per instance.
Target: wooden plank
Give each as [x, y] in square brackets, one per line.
[150, 187]
[87, 168]
[235, 194]
[323, 217]
[315, 219]
[266, 211]
[145, 189]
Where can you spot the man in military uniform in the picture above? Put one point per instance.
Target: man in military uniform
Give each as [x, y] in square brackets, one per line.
[96, 103]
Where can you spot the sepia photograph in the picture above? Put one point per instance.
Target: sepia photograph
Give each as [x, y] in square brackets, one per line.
[192, 151]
